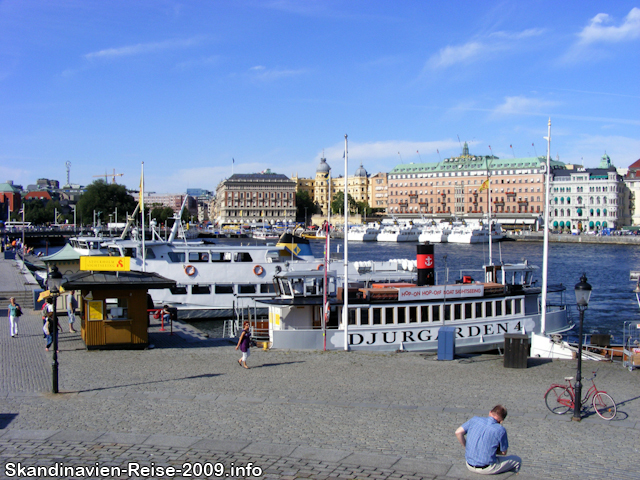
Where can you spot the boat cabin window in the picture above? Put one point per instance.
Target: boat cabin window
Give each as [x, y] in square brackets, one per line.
[467, 310]
[457, 311]
[518, 306]
[117, 308]
[246, 289]
[200, 289]
[130, 252]
[364, 316]
[479, 310]
[150, 254]
[243, 257]
[435, 311]
[413, 315]
[114, 252]
[388, 315]
[488, 309]
[498, 308]
[198, 257]
[224, 289]
[377, 316]
[424, 313]
[508, 307]
[267, 288]
[178, 290]
[402, 315]
[352, 316]
[285, 288]
[176, 257]
[447, 312]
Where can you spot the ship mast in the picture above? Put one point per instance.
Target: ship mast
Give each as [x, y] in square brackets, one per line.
[345, 290]
[545, 248]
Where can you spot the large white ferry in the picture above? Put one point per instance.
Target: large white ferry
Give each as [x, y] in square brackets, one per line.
[409, 316]
[363, 233]
[474, 232]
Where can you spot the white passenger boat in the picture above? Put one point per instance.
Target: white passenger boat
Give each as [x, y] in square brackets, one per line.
[264, 234]
[435, 233]
[398, 233]
[410, 317]
[473, 232]
[363, 233]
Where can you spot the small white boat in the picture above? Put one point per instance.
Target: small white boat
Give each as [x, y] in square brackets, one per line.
[437, 233]
[263, 234]
[398, 233]
[363, 233]
[473, 232]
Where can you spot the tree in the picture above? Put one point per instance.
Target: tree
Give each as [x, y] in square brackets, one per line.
[161, 214]
[104, 198]
[305, 207]
[337, 203]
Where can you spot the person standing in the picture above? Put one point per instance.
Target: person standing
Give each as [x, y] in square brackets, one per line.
[484, 438]
[244, 343]
[72, 304]
[13, 312]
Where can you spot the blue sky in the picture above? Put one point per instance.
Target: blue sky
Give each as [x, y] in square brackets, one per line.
[186, 86]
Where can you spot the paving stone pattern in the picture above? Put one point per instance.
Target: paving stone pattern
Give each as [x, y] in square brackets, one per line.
[348, 415]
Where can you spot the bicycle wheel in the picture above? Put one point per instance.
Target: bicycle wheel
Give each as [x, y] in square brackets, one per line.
[559, 399]
[604, 405]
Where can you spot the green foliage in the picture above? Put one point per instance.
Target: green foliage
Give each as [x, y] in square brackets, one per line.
[161, 214]
[104, 198]
[337, 203]
[303, 200]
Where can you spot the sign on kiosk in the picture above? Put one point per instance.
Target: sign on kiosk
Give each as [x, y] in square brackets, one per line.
[105, 264]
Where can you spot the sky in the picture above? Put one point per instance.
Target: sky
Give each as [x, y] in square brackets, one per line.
[196, 90]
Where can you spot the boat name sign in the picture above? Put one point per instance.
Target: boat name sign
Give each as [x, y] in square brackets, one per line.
[441, 291]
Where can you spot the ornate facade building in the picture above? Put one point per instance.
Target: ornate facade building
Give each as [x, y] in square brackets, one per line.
[461, 186]
[256, 197]
[588, 199]
[632, 182]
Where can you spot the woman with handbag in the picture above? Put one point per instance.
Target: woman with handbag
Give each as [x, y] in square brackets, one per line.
[14, 313]
[244, 343]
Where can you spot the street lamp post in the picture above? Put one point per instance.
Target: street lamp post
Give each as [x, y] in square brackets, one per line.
[583, 292]
[305, 217]
[54, 282]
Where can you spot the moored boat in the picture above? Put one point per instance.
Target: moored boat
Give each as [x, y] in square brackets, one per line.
[409, 316]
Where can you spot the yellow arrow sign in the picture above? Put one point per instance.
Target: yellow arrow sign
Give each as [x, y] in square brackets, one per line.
[105, 264]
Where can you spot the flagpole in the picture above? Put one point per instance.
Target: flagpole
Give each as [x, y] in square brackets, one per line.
[144, 250]
[345, 291]
[545, 248]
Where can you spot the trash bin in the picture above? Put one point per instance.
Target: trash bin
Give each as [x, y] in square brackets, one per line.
[516, 350]
[446, 343]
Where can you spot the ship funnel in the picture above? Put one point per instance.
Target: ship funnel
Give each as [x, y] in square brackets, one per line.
[426, 275]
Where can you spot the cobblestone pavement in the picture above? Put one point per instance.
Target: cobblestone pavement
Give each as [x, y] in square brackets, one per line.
[348, 415]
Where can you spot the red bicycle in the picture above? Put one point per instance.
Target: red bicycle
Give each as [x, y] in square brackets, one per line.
[560, 398]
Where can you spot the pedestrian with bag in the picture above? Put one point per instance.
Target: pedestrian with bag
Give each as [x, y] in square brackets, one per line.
[244, 343]
[14, 312]
[48, 324]
[72, 304]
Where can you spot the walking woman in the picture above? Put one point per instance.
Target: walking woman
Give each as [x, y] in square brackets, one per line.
[243, 344]
[14, 312]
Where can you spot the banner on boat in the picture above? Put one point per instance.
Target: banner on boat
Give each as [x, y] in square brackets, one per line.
[441, 292]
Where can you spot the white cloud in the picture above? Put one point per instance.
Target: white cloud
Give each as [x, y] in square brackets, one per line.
[143, 48]
[479, 49]
[599, 32]
[591, 40]
[199, 62]
[523, 106]
[262, 73]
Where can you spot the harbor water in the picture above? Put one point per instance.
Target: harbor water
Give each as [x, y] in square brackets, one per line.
[607, 268]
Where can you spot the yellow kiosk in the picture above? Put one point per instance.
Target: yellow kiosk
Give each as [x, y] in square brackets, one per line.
[113, 302]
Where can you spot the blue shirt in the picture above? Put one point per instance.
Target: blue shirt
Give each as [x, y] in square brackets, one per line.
[484, 435]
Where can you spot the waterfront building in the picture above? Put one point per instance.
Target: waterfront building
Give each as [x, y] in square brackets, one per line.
[10, 200]
[632, 182]
[256, 197]
[358, 186]
[171, 200]
[459, 186]
[379, 191]
[587, 199]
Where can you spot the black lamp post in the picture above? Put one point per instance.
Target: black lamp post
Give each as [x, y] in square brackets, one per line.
[54, 282]
[583, 292]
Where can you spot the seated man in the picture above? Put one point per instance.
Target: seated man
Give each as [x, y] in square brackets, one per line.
[486, 437]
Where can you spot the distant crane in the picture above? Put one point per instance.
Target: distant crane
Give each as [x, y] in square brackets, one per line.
[110, 175]
[68, 165]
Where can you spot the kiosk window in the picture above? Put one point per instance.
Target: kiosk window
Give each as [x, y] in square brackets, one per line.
[117, 308]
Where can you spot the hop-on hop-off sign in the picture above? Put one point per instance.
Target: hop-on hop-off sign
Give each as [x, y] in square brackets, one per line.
[441, 291]
[105, 264]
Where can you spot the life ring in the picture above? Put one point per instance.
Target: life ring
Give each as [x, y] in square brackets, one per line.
[320, 267]
[258, 270]
[190, 270]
